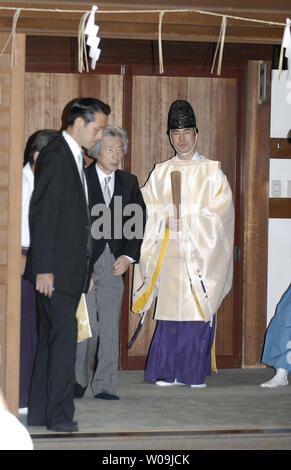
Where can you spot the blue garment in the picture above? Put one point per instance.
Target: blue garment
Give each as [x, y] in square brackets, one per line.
[277, 348]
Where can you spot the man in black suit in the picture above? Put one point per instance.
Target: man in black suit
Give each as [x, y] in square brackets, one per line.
[57, 262]
[117, 231]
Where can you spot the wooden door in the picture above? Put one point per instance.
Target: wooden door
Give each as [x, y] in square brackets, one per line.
[215, 102]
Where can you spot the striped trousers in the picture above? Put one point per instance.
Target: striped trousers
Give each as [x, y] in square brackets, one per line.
[104, 309]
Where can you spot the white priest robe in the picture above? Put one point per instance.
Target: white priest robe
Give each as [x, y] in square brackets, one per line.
[190, 271]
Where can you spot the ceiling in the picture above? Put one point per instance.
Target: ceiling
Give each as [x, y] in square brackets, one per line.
[176, 26]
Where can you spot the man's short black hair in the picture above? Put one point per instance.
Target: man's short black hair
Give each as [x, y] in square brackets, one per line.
[86, 109]
[37, 142]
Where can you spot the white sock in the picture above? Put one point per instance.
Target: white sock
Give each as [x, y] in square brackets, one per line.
[282, 373]
[161, 383]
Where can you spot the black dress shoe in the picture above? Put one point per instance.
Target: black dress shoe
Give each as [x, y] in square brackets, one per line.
[106, 396]
[64, 427]
[79, 391]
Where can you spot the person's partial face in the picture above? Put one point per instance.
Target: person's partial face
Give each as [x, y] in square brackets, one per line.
[35, 157]
[88, 133]
[183, 141]
[111, 154]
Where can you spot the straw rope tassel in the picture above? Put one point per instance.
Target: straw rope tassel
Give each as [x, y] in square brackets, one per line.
[82, 51]
[161, 14]
[220, 43]
[13, 57]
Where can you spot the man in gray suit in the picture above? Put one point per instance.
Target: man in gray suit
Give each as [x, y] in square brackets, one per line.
[114, 195]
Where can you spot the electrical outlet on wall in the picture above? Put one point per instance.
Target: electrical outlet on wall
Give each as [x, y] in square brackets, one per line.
[276, 188]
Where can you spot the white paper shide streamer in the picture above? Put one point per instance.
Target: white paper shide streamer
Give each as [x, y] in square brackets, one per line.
[91, 31]
[286, 44]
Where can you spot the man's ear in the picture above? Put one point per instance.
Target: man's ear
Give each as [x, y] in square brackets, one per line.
[35, 156]
[79, 122]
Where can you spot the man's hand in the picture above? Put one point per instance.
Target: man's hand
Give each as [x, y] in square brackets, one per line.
[91, 285]
[121, 265]
[45, 284]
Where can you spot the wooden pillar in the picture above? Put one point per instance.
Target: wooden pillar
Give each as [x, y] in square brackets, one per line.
[257, 119]
[11, 159]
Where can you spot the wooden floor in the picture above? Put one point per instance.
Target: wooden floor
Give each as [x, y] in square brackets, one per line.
[233, 412]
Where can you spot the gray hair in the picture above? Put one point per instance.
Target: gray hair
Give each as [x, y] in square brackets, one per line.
[113, 131]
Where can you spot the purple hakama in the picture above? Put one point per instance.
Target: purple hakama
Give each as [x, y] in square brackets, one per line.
[181, 351]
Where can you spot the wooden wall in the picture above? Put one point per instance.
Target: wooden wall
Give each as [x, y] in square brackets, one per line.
[60, 54]
[46, 96]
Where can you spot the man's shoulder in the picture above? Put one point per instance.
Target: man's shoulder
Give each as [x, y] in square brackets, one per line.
[54, 148]
[164, 162]
[159, 165]
[56, 156]
[126, 176]
[57, 142]
[91, 168]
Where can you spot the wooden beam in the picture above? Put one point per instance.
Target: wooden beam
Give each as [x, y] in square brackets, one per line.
[279, 208]
[256, 212]
[14, 227]
[177, 26]
[280, 148]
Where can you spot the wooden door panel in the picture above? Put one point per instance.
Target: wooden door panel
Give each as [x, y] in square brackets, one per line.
[108, 88]
[47, 94]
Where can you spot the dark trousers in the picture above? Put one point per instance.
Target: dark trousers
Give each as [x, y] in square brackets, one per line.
[28, 340]
[52, 388]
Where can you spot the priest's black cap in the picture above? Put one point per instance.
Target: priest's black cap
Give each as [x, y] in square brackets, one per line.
[181, 116]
